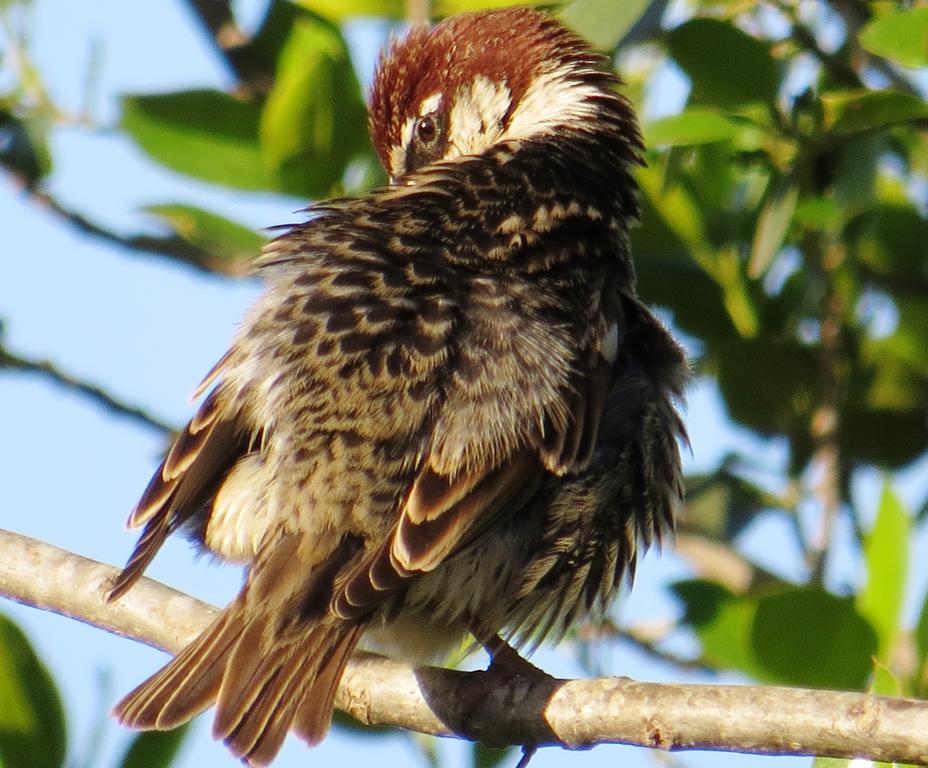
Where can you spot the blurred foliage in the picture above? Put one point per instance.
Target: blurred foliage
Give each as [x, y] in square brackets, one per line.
[784, 226]
[153, 749]
[215, 235]
[32, 725]
[32, 721]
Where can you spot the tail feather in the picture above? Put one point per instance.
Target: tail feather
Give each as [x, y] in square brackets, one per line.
[250, 662]
[315, 712]
[198, 687]
[258, 731]
[263, 679]
[279, 688]
[187, 685]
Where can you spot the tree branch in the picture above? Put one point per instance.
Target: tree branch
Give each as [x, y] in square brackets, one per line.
[535, 711]
[825, 423]
[644, 640]
[253, 70]
[100, 396]
[417, 11]
[173, 247]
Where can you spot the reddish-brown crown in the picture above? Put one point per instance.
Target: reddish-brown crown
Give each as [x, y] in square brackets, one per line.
[509, 45]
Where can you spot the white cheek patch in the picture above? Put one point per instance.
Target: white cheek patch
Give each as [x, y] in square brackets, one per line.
[430, 104]
[476, 117]
[553, 99]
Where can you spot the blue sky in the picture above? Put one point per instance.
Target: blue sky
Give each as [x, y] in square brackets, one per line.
[147, 331]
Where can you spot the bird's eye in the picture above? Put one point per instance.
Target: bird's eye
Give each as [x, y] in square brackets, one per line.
[428, 142]
[426, 130]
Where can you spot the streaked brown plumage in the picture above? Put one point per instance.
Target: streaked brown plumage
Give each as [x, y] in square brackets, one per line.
[448, 412]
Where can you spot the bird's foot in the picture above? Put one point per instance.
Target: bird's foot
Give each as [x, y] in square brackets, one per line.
[506, 661]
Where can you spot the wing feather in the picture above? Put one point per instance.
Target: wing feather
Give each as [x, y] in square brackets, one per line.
[448, 507]
[441, 525]
[201, 455]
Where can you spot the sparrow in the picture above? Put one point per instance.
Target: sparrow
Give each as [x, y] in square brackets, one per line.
[449, 413]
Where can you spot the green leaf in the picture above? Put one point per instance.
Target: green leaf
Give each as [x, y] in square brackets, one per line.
[682, 213]
[692, 126]
[726, 66]
[891, 379]
[674, 237]
[809, 637]
[483, 756]
[722, 621]
[344, 721]
[729, 271]
[886, 550]
[205, 134]
[678, 208]
[668, 276]
[864, 431]
[856, 172]
[885, 682]
[427, 747]
[32, 725]
[912, 335]
[901, 36]
[339, 10]
[721, 504]
[849, 112]
[603, 22]
[774, 392]
[219, 237]
[273, 32]
[24, 147]
[154, 749]
[889, 241]
[442, 8]
[888, 393]
[818, 213]
[797, 636]
[314, 120]
[921, 639]
[772, 226]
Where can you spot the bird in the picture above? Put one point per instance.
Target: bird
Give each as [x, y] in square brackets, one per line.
[449, 415]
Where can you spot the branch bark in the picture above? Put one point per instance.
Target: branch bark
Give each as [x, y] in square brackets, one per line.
[536, 710]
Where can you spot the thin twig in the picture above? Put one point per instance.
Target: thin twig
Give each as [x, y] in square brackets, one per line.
[826, 418]
[641, 640]
[172, 247]
[253, 70]
[417, 11]
[497, 710]
[838, 70]
[845, 66]
[718, 562]
[98, 395]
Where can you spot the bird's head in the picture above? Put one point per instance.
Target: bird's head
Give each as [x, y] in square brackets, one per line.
[481, 78]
